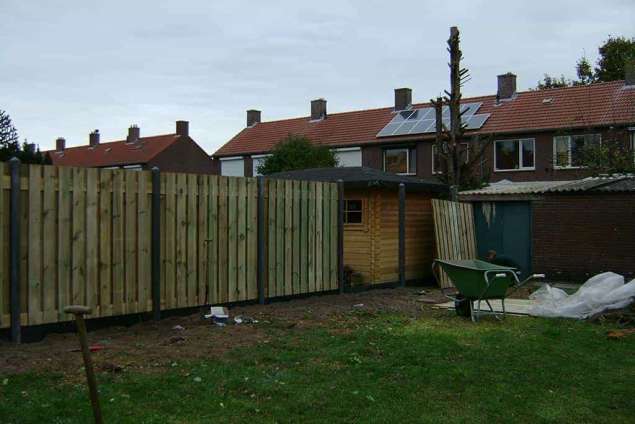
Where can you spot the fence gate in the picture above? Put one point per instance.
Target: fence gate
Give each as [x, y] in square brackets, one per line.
[454, 233]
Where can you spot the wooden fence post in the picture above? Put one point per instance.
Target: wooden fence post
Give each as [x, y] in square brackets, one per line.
[340, 235]
[156, 244]
[261, 240]
[14, 250]
[402, 235]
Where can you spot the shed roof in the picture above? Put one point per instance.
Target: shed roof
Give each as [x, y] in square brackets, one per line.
[621, 183]
[362, 177]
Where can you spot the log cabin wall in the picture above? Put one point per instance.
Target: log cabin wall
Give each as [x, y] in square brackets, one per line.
[371, 248]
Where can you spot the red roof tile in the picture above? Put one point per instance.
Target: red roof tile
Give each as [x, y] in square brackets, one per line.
[113, 153]
[598, 104]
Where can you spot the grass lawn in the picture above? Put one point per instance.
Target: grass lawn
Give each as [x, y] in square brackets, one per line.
[382, 367]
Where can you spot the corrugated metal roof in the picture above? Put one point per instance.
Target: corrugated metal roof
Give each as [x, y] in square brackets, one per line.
[624, 183]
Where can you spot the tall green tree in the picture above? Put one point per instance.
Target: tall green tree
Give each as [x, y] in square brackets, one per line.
[297, 152]
[614, 54]
[10, 144]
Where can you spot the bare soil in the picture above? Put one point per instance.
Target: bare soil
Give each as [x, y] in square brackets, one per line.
[151, 345]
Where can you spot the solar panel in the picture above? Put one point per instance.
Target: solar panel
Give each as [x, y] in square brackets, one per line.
[421, 121]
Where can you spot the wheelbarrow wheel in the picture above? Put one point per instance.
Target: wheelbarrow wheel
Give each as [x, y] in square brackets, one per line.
[463, 307]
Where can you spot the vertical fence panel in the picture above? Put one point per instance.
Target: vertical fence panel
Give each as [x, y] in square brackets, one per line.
[34, 269]
[87, 238]
[252, 238]
[223, 273]
[212, 240]
[241, 240]
[192, 257]
[92, 239]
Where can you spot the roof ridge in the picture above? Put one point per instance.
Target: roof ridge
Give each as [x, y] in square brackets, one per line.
[112, 142]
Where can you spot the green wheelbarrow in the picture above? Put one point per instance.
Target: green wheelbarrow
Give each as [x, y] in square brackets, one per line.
[478, 281]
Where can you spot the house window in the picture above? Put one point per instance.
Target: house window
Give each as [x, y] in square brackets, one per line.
[464, 151]
[400, 161]
[514, 155]
[568, 149]
[633, 144]
[352, 211]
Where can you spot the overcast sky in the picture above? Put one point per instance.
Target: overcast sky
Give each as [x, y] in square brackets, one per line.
[73, 66]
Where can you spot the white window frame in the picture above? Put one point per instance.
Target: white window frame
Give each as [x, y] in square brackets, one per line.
[348, 149]
[254, 171]
[407, 150]
[570, 158]
[233, 158]
[632, 131]
[520, 155]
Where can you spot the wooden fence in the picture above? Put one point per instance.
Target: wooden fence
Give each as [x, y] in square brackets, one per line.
[454, 233]
[85, 237]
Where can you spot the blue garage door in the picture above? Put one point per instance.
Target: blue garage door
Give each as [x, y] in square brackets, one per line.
[506, 228]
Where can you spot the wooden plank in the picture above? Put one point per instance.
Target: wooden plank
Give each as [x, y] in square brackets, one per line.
[223, 295]
[192, 240]
[334, 236]
[326, 236]
[78, 243]
[288, 238]
[64, 235]
[252, 238]
[212, 237]
[144, 240]
[181, 240]
[311, 237]
[34, 268]
[271, 238]
[296, 237]
[280, 254]
[201, 244]
[118, 246]
[130, 242]
[169, 253]
[232, 242]
[49, 245]
[241, 239]
[92, 238]
[319, 208]
[304, 234]
[105, 241]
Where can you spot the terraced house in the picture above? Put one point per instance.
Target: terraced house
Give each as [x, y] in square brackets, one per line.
[536, 135]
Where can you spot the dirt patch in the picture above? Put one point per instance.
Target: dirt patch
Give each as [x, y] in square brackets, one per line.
[150, 345]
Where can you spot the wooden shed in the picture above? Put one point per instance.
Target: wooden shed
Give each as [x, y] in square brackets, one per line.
[371, 222]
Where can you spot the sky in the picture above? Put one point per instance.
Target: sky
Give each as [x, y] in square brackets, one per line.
[68, 67]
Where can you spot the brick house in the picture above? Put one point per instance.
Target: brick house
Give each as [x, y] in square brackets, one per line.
[176, 152]
[568, 230]
[535, 135]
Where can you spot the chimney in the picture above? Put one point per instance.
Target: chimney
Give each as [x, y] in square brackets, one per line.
[629, 72]
[506, 86]
[403, 98]
[93, 138]
[183, 128]
[60, 144]
[318, 109]
[133, 134]
[253, 117]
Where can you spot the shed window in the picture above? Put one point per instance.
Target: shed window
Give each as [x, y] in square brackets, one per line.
[400, 161]
[352, 211]
[514, 155]
[568, 149]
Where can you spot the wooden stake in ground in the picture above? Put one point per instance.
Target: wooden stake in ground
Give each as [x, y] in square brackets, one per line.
[79, 312]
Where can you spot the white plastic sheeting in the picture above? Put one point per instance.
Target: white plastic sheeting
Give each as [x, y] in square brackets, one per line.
[600, 293]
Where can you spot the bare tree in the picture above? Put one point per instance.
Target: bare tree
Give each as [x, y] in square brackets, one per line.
[457, 170]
